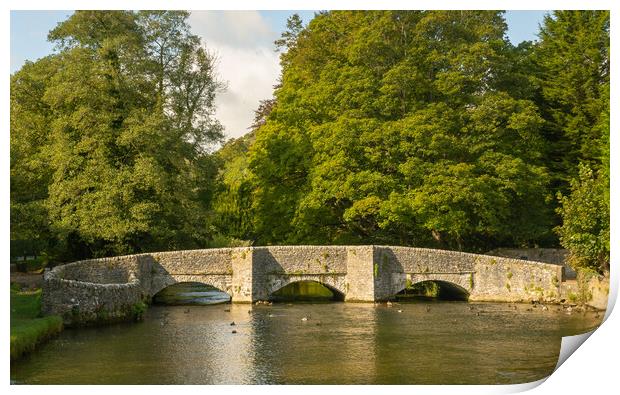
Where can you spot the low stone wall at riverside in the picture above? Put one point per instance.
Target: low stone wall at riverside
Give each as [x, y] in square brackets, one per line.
[598, 292]
[113, 288]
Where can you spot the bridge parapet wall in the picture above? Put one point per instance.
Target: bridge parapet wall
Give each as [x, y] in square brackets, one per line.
[114, 270]
[110, 287]
[301, 259]
[274, 267]
[192, 262]
[484, 277]
[424, 260]
[97, 290]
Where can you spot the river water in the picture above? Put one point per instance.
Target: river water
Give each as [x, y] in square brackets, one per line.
[427, 342]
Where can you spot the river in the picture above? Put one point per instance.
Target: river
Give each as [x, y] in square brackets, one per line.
[417, 342]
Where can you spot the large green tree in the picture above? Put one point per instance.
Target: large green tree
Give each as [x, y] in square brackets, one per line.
[572, 69]
[401, 127]
[31, 171]
[126, 122]
[572, 62]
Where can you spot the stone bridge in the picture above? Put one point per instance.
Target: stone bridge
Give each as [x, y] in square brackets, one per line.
[113, 288]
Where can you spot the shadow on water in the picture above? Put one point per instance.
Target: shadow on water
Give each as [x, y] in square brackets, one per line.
[441, 343]
[191, 294]
[432, 291]
[306, 291]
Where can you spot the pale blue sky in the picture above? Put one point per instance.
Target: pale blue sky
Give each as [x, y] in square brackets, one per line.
[29, 29]
[239, 38]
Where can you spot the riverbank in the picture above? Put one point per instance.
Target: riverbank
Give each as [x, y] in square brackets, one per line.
[28, 327]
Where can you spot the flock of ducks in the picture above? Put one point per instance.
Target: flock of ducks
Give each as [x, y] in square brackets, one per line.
[567, 308]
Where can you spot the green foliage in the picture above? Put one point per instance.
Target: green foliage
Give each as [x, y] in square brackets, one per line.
[109, 137]
[138, 310]
[422, 128]
[585, 213]
[429, 289]
[232, 203]
[573, 71]
[304, 291]
[572, 59]
[222, 241]
[398, 127]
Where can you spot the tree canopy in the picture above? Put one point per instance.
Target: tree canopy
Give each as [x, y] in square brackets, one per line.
[400, 127]
[123, 121]
[419, 128]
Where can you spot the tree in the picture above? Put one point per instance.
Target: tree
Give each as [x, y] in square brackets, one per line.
[288, 39]
[572, 61]
[402, 127]
[585, 214]
[31, 172]
[573, 73]
[130, 110]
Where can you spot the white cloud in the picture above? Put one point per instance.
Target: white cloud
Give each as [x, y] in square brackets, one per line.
[243, 42]
[238, 29]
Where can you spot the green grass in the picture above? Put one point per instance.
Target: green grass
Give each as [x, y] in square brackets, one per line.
[28, 328]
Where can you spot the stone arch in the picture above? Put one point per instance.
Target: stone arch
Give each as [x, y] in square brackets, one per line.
[221, 282]
[179, 295]
[459, 283]
[449, 290]
[335, 283]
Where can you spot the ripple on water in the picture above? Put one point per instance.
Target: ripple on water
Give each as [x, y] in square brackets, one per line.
[354, 344]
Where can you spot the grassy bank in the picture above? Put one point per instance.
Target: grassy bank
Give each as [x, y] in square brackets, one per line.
[28, 327]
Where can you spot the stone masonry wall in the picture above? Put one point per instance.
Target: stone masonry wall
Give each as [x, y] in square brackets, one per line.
[105, 271]
[360, 279]
[95, 289]
[101, 298]
[278, 266]
[511, 280]
[556, 256]
[424, 260]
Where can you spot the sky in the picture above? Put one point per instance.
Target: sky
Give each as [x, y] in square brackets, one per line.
[243, 42]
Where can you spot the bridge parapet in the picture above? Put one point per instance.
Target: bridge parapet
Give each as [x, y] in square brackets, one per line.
[88, 290]
[94, 290]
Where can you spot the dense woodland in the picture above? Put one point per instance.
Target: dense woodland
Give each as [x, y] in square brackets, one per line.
[417, 128]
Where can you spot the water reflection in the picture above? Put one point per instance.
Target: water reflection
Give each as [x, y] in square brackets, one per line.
[190, 293]
[339, 343]
[335, 341]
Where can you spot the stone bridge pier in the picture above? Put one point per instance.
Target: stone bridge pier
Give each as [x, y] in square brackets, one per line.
[115, 288]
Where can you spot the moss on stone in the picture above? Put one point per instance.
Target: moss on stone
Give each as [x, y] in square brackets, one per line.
[138, 310]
